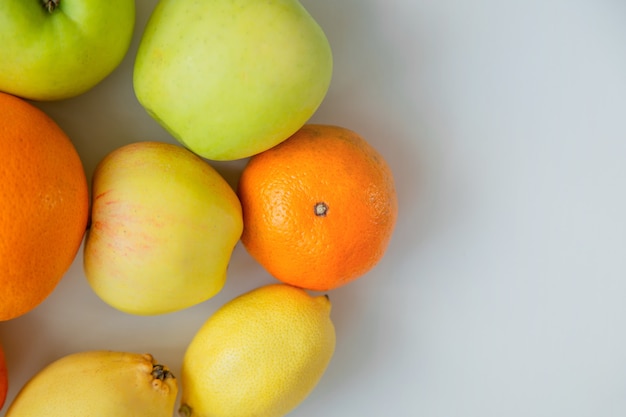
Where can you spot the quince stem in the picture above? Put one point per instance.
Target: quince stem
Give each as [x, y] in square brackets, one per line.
[159, 372]
[185, 411]
[50, 5]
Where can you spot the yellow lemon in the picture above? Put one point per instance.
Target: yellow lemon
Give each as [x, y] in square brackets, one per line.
[261, 354]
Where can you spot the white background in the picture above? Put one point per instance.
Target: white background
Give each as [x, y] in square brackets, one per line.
[503, 292]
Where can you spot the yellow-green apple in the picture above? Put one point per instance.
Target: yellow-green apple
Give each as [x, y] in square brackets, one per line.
[232, 78]
[164, 224]
[57, 49]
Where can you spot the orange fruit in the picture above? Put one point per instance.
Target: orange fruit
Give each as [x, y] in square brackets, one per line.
[319, 209]
[43, 205]
[4, 379]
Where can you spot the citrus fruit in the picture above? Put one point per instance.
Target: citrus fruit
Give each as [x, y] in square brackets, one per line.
[4, 379]
[319, 209]
[259, 355]
[43, 205]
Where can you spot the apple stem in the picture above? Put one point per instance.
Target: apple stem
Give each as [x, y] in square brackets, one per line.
[50, 5]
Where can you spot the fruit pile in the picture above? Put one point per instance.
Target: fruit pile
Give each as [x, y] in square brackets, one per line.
[315, 205]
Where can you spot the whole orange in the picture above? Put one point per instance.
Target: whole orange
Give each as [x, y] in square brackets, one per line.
[43, 205]
[319, 209]
[4, 379]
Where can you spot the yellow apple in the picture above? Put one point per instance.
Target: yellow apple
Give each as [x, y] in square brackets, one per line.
[164, 224]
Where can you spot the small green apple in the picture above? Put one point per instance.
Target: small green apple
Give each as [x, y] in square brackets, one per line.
[57, 49]
[164, 224]
[232, 78]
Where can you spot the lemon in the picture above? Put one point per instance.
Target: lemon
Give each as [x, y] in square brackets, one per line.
[261, 354]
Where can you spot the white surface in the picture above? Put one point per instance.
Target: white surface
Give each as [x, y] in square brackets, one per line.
[502, 293]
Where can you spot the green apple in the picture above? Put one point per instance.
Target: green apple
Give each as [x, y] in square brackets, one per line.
[57, 49]
[232, 78]
[164, 224]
